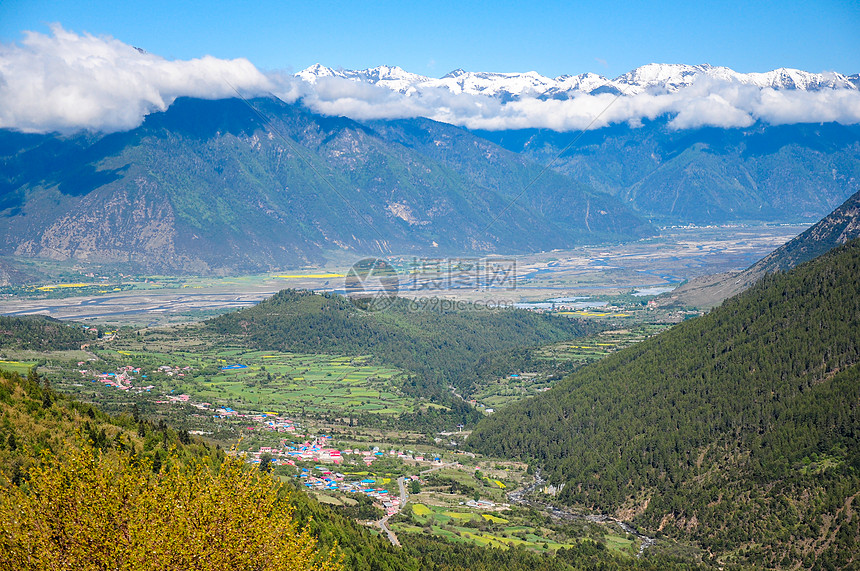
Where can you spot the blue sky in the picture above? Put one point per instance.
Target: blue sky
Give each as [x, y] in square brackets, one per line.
[551, 38]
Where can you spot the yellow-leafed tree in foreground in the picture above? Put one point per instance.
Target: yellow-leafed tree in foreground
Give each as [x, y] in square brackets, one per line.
[88, 510]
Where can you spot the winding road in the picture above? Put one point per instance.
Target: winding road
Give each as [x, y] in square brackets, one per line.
[383, 523]
[401, 483]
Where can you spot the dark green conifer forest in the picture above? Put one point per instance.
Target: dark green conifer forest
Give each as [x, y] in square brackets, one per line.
[739, 430]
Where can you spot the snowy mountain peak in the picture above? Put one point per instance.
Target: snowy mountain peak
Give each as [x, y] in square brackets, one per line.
[314, 72]
[453, 74]
[650, 78]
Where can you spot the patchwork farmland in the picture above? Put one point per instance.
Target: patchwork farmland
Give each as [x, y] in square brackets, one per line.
[289, 383]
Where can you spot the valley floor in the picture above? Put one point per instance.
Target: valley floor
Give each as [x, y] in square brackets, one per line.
[653, 265]
[342, 426]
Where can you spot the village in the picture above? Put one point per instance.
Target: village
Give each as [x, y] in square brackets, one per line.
[389, 480]
[277, 443]
[120, 379]
[322, 478]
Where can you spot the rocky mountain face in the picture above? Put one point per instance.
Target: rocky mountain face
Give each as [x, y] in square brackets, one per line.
[235, 186]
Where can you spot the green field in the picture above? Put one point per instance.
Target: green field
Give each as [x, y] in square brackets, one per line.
[506, 529]
[592, 348]
[288, 382]
[313, 382]
[557, 360]
[293, 382]
[21, 367]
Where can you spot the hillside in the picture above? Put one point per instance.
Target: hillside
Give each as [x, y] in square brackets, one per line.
[113, 500]
[738, 429]
[568, 204]
[707, 175]
[230, 186]
[38, 333]
[440, 348]
[838, 227]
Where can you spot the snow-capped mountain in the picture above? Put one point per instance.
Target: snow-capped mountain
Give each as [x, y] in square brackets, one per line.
[651, 78]
[493, 84]
[392, 77]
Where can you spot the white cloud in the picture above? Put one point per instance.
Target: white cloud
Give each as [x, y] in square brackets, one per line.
[780, 107]
[337, 96]
[67, 82]
[708, 102]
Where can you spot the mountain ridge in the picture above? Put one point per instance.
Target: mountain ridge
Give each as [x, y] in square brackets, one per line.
[242, 186]
[840, 226]
[650, 78]
[707, 175]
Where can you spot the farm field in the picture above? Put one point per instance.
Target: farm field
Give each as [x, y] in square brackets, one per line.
[295, 383]
[20, 367]
[508, 527]
[664, 262]
[334, 392]
[560, 359]
[594, 347]
[286, 383]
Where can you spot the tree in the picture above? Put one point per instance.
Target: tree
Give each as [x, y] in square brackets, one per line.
[266, 462]
[89, 509]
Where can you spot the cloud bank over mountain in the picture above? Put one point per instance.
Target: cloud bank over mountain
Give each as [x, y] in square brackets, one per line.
[68, 82]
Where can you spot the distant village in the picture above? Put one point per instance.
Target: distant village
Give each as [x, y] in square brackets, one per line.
[316, 449]
[322, 478]
[323, 475]
[120, 379]
[128, 378]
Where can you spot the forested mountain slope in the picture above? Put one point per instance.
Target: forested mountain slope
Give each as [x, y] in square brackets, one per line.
[739, 429]
[40, 333]
[243, 186]
[707, 175]
[440, 347]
